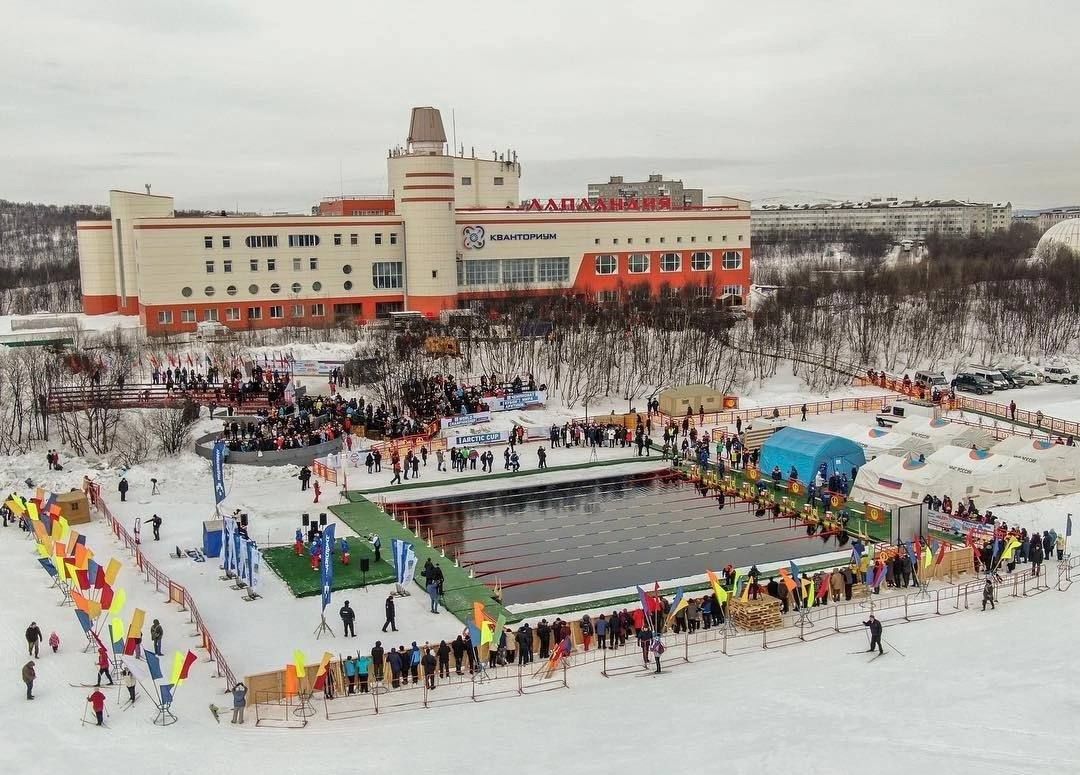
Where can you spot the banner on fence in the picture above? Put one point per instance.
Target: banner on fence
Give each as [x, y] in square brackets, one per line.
[517, 401]
[314, 368]
[218, 466]
[228, 550]
[464, 420]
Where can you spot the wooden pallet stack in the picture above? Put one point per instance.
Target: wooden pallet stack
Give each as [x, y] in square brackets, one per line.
[760, 614]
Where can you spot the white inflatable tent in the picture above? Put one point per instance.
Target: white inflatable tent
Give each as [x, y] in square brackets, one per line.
[1060, 463]
[884, 441]
[901, 481]
[939, 432]
[989, 479]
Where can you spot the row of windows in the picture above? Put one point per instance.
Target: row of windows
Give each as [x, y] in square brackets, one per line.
[384, 274]
[641, 263]
[663, 240]
[277, 312]
[255, 263]
[466, 180]
[506, 271]
[699, 292]
[295, 240]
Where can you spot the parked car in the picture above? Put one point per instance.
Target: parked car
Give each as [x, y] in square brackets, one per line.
[1013, 380]
[930, 379]
[1060, 374]
[970, 383]
[1029, 375]
[991, 375]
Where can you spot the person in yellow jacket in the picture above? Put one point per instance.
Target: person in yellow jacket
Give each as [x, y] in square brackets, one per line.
[864, 566]
[1059, 545]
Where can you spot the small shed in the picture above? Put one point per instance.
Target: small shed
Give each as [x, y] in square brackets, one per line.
[807, 451]
[74, 507]
[675, 401]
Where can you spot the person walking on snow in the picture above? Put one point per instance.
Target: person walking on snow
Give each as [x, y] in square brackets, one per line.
[875, 634]
[155, 522]
[103, 666]
[97, 702]
[28, 676]
[128, 680]
[318, 492]
[33, 640]
[54, 642]
[389, 614]
[988, 594]
[156, 634]
[123, 488]
[239, 702]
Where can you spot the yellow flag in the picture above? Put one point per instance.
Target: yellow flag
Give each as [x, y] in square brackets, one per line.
[808, 593]
[177, 667]
[95, 609]
[301, 663]
[325, 663]
[116, 630]
[60, 565]
[487, 632]
[32, 510]
[119, 598]
[65, 529]
[135, 628]
[112, 570]
[16, 505]
[718, 590]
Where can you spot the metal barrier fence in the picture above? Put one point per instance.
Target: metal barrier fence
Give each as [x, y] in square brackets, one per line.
[177, 593]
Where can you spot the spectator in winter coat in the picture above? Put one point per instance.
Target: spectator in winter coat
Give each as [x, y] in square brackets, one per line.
[348, 620]
[33, 640]
[601, 632]
[363, 670]
[543, 634]
[458, 647]
[586, 631]
[377, 660]
[393, 660]
[156, 634]
[836, 585]
[523, 644]
[349, 666]
[510, 639]
[443, 653]
[988, 595]
[28, 676]
[390, 620]
[239, 702]
[122, 488]
[428, 663]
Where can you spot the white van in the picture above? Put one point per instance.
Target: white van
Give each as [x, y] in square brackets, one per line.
[991, 375]
[931, 380]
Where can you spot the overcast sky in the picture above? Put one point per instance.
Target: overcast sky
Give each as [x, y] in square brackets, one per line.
[267, 105]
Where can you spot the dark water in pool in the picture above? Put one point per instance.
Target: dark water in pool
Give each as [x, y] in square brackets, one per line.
[573, 538]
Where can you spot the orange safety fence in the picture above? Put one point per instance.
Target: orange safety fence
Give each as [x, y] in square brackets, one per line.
[177, 592]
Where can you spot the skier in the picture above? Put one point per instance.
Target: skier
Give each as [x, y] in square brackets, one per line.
[239, 702]
[128, 680]
[155, 522]
[389, 614]
[28, 676]
[97, 702]
[123, 488]
[156, 634]
[348, 618]
[103, 666]
[988, 594]
[33, 640]
[875, 634]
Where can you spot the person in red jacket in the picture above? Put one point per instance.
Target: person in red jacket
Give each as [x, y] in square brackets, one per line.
[97, 702]
[103, 666]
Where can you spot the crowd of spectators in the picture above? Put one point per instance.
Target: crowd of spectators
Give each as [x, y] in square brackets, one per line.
[442, 395]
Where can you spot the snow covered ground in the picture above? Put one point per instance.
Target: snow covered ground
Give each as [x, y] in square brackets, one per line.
[962, 718]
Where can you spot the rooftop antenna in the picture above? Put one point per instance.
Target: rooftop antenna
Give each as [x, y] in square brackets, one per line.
[341, 178]
[453, 125]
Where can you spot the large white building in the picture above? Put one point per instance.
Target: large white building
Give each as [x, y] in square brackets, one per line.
[902, 219]
[451, 232]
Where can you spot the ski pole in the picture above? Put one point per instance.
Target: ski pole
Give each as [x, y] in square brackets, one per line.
[894, 648]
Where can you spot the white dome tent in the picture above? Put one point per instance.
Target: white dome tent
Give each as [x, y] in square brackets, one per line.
[1065, 234]
[885, 441]
[939, 432]
[988, 479]
[902, 481]
[1059, 462]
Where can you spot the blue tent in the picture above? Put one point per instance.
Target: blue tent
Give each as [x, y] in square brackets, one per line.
[806, 451]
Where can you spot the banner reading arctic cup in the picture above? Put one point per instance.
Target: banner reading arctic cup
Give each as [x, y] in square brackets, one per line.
[218, 466]
[404, 560]
[327, 564]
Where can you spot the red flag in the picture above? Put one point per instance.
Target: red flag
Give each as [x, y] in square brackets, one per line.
[941, 553]
[172, 360]
[189, 660]
[106, 593]
[189, 361]
[970, 539]
[918, 548]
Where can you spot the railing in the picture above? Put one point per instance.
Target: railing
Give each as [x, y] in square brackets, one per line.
[868, 404]
[177, 593]
[76, 397]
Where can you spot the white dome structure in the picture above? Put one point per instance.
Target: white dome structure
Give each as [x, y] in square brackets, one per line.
[1065, 234]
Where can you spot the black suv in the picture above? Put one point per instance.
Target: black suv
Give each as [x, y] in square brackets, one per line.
[970, 383]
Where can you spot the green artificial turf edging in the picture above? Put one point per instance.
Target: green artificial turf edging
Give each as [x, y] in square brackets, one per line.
[357, 495]
[459, 590]
[302, 581]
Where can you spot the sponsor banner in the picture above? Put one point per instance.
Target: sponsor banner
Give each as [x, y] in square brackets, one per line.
[314, 368]
[517, 401]
[464, 420]
[478, 439]
[218, 469]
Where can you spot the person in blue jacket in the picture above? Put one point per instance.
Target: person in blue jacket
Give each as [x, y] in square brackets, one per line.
[414, 663]
[350, 674]
[363, 670]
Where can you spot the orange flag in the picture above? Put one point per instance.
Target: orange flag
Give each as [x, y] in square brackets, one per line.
[292, 683]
